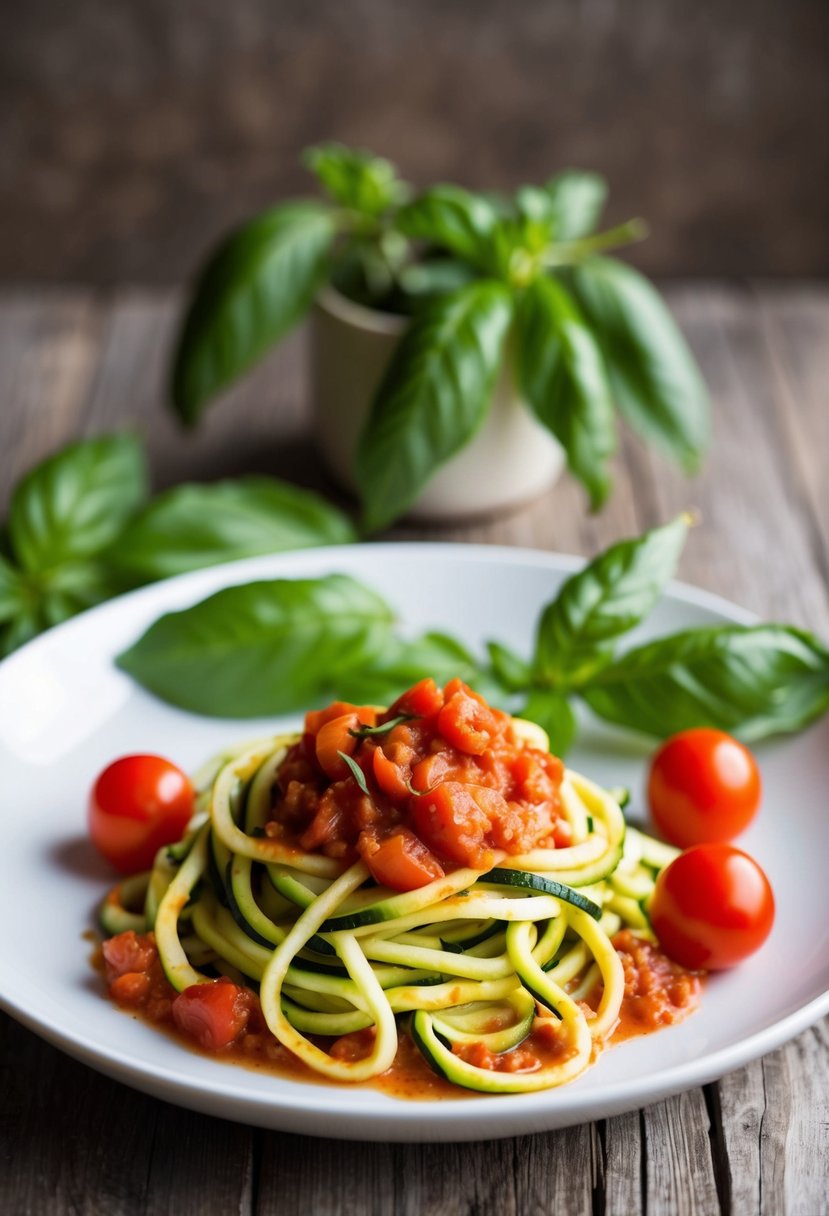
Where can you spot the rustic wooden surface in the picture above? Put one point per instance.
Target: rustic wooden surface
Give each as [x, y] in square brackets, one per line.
[757, 1141]
[128, 144]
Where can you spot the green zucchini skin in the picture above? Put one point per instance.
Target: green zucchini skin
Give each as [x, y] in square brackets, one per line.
[527, 880]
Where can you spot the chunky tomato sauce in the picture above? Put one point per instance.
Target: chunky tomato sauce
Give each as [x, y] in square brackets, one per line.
[226, 1022]
[437, 781]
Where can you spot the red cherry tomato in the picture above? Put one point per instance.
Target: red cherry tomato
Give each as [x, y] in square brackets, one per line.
[703, 786]
[138, 804]
[213, 1014]
[712, 907]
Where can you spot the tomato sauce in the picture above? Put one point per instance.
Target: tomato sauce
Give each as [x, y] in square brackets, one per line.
[658, 993]
[439, 780]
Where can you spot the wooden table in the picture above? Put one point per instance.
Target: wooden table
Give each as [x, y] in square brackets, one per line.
[72, 363]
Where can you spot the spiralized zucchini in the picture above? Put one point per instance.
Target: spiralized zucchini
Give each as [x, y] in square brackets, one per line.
[474, 958]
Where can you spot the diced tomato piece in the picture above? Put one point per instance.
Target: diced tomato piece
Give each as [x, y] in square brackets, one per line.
[317, 718]
[467, 722]
[403, 863]
[213, 1014]
[132, 988]
[333, 737]
[128, 952]
[389, 776]
[454, 820]
[423, 700]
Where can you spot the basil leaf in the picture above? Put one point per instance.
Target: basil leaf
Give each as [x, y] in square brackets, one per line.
[654, 378]
[563, 378]
[74, 504]
[554, 714]
[357, 180]
[576, 200]
[752, 681]
[510, 670]
[433, 397]
[21, 629]
[200, 525]
[13, 597]
[402, 663]
[257, 284]
[604, 600]
[453, 219]
[370, 732]
[262, 648]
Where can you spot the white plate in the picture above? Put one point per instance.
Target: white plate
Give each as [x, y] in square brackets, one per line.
[65, 711]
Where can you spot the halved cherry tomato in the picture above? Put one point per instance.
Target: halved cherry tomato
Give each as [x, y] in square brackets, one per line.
[703, 786]
[466, 721]
[334, 737]
[137, 805]
[423, 700]
[712, 907]
[403, 863]
[213, 1014]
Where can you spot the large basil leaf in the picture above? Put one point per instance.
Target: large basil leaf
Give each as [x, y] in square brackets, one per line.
[262, 648]
[357, 180]
[200, 525]
[402, 663]
[453, 219]
[433, 397]
[74, 504]
[752, 681]
[554, 714]
[655, 381]
[576, 201]
[12, 591]
[609, 596]
[563, 377]
[258, 283]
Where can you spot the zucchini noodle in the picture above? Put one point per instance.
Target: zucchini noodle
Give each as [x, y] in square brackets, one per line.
[475, 959]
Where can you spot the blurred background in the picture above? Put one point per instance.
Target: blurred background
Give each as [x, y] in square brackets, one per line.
[132, 133]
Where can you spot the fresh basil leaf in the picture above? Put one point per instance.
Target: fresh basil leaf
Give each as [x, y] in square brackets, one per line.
[13, 596]
[451, 218]
[403, 662]
[654, 378]
[262, 648]
[357, 180]
[19, 630]
[752, 681]
[554, 714]
[74, 504]
[433, 397]
[563, 377]
[512, 672]
[257, 284]
[356, 772]
[200, 525]
[435, 277]
[576, 200]
[604, 600]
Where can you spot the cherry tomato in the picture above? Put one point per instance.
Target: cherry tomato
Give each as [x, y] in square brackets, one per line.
[403, 863]
[703, 786]
[138, 804]
[712, 907]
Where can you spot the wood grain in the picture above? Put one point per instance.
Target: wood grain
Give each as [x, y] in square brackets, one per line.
[757, 1141]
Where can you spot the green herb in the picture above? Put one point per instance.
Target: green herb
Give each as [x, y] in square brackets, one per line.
[262, 648]
[79, 531]
[275, 647]
[371, 732]
[356, 772]
[416, 793]
[590, 333]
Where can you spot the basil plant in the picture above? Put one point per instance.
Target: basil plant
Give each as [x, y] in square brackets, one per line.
[589, 335]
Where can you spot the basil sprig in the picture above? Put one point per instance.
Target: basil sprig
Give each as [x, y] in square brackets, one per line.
[80, 529]
[587, 334]
[280, 646]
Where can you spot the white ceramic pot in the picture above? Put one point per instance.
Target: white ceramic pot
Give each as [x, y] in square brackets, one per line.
[511, 460]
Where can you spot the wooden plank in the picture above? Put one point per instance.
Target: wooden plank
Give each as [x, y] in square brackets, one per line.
[679, 1172]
